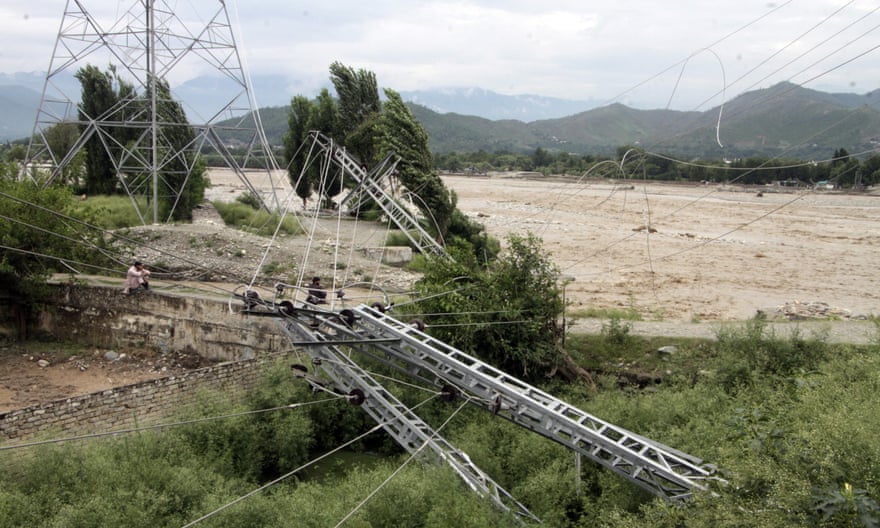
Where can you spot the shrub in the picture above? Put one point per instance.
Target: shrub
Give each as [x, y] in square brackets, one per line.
[257, 221]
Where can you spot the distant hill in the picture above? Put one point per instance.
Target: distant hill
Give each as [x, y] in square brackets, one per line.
[784, 120]
[18, 106]
[494, 106]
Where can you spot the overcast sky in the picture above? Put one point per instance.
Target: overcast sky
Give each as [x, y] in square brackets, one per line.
[679, 54]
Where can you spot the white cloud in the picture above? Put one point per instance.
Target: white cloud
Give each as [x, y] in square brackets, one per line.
[562, 48]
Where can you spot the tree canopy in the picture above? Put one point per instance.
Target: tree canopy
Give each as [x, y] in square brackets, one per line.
[371, 130]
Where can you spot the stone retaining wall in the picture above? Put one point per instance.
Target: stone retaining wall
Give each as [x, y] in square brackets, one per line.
[134, 405]
[103, 317]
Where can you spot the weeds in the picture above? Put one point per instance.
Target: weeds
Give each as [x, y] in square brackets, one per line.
[243, 216]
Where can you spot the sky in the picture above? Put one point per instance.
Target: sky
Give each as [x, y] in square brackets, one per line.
[678, 54]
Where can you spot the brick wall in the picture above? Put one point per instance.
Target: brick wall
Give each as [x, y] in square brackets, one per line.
[103, 317]
[134, 405]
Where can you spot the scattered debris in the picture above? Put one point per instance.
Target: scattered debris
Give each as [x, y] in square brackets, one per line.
[797, 310]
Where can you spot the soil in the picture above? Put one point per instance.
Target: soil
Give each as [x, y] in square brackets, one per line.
[684, 258]
[33, 373]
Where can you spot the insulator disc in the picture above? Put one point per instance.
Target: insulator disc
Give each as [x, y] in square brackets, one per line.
[287, 307]
[449, 393]
[347, 317]
[356, 397]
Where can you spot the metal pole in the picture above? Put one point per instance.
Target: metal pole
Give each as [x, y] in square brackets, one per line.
[566, 280]
[151, 73]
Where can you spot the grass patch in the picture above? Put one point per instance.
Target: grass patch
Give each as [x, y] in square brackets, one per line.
[243, 216]
[624, 314]
[397, 238]
[112, 212]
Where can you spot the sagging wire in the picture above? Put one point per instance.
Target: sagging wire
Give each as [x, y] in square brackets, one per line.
[712, 45]
[289, 474]
[284, 476]
[402, 466]
[783, 48]
[723, 89]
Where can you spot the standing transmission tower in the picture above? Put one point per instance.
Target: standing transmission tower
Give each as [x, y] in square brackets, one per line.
[149, 143]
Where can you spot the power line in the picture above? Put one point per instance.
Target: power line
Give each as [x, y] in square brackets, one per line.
[300, 468]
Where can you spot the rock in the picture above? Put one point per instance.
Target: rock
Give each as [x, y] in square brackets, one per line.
[667, 350]
[111, 355]
[43, 363]
[389, 255]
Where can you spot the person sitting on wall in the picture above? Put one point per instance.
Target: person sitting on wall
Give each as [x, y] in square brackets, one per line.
[136, 279]
[317, 293]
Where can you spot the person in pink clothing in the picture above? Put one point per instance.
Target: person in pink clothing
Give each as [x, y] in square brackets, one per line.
[136, 279]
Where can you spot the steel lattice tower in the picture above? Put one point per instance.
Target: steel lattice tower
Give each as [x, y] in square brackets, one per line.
[145, 47]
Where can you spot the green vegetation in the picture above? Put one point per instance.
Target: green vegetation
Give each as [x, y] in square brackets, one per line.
[109, 139]
[792, 425]
[632, 163]
[627, 314]
[371, 131]
[507, 311]
[245, 217]
[112, 211]
[41, 233]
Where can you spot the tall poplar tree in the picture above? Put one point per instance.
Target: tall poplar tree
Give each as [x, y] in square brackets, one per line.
[98, 97]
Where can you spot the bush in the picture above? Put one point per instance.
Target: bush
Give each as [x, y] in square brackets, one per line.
[257, 221]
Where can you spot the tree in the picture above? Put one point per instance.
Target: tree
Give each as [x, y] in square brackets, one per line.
[36, 239]
[294, 138]
[401, 133]
[182, 172]
[323, 117]
[98, 98]
[507, 314]
[61, 138]
[358, 94]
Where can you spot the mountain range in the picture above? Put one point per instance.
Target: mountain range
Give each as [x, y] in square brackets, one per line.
[785, 120]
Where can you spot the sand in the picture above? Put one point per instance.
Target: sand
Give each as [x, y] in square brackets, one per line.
[678, 252]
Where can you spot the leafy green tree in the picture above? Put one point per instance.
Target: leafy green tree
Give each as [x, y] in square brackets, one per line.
[36, 241]
[541, 158]
[61, 138]
[507, 314]
[98, 97]
[297, 130]
[871, 169]
[183, 174]
[402, 134]
[358, 94]
[324, 117]
[844, 168]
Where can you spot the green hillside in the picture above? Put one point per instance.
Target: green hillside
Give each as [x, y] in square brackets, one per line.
[785, 120]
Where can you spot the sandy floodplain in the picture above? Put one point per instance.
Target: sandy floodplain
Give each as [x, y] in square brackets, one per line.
[692, 252]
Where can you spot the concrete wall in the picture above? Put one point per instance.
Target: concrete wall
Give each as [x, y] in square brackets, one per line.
[103, 317]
